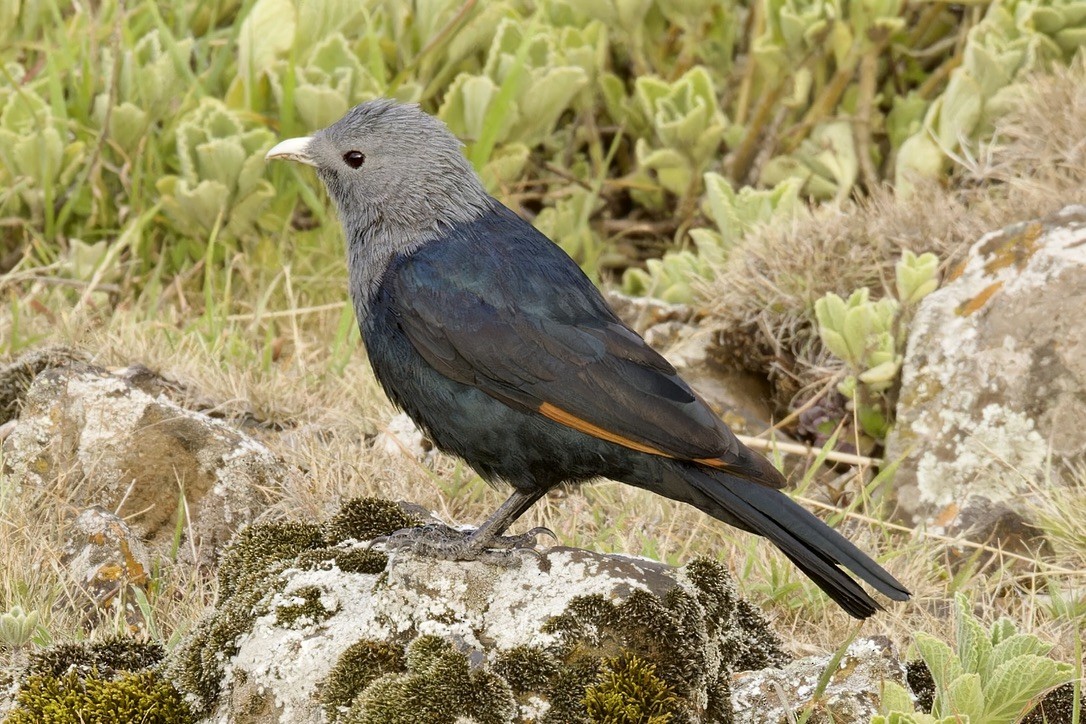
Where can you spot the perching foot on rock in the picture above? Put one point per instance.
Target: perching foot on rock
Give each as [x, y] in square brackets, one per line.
[441, 541]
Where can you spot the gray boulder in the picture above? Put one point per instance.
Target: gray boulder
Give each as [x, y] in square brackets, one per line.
[993, 381]
[113, 440]
[852, 692]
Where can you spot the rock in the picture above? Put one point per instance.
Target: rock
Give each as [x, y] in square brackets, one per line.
[108, 563]
[108, 680]
[16, 376]
[402, 438]
[313, 622]
[109, 443]
[992, 382]
[851, 694]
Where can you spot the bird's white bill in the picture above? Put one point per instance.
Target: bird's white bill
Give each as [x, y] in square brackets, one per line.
[292, 149]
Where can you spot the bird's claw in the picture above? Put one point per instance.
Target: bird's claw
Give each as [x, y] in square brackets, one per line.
[525, 541]
[446, 543]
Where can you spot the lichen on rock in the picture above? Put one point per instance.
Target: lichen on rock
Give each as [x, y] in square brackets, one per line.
[116, 441]
[296, 636]
[991, 401]
[440, 685]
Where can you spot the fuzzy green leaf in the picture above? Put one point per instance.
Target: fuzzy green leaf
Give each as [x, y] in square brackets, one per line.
[940, 659]
[963, 697]
[1017, 684]
[266, 34]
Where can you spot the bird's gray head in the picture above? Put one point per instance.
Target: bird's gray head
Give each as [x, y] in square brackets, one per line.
[398, 177]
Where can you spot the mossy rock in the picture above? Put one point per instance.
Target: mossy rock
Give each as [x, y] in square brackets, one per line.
[564, 636]
[117, 680]
[627, 689]
[358, 666]
[439, 687]
[249, 578]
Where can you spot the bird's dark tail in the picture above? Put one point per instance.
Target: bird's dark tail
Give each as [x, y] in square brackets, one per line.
[813, 546]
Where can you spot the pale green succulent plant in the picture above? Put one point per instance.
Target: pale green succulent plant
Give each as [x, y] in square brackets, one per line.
[687, 129]
[331, 80]
[674, 278]
[528, 81]
[735, 213]
[18, 627]
[39, 159]
[1015, 38]
[222, 176]
[567, 223]
[150, 86]
[869, 337]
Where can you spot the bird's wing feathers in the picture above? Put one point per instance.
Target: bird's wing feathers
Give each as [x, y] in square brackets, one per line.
[568, 359]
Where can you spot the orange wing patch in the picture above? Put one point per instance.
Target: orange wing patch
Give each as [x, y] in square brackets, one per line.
[713, 463]
[570, 420]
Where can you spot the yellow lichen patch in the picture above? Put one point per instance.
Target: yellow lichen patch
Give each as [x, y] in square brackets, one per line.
[957, 271]
[136, 572]
[970, 306]
[1015, 249]
[947, 515]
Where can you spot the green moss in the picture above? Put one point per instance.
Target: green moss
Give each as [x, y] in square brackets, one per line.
[348, 560]
[249, 571]
[566, 696]
[693, 641]
[366, 518]
[693, 636]
[107, 657]
[726, 614]
[593, 627]
[305, 608]
[358, 665]
[197, 663]
[143, 696]
[627, 691]
[258, 546]
[439, 687]
[526, 668]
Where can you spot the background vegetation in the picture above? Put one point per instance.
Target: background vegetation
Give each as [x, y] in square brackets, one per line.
[744, 156]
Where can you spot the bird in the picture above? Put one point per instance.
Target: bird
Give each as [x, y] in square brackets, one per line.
[500, 348]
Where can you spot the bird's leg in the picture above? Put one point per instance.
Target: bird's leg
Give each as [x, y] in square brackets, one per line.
[486, 541]
[489, 534]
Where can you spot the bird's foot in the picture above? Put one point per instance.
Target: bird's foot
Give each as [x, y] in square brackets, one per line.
[446, 543]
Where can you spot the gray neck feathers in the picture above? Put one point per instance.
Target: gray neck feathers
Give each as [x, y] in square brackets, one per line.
[377, 233]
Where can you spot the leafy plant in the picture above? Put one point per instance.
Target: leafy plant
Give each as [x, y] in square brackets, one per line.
[870, 338]
[531, 76]
[221, 181]
[674, 277]
[994, 676]
[687, 128]
[1015, 38]
[38, 158]
[18, 627]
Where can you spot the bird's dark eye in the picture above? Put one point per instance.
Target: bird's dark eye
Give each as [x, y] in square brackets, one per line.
[354, 159]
